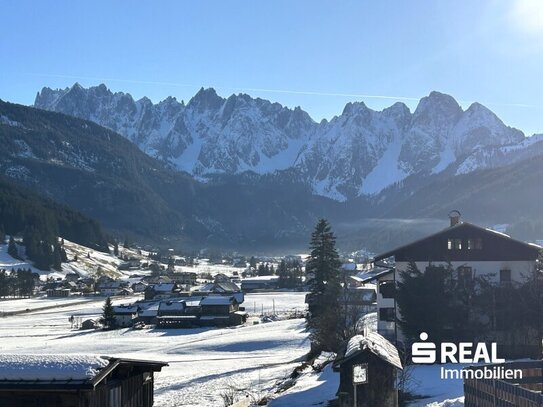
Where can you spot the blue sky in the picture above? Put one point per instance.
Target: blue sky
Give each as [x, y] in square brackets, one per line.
[315, 54]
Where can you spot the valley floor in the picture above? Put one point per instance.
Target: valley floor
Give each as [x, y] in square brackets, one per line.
[204, 364]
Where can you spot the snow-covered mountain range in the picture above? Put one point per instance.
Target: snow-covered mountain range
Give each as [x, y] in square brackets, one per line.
[360, 152]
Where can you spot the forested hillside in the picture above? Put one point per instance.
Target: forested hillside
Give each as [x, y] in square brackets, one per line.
[40, 221]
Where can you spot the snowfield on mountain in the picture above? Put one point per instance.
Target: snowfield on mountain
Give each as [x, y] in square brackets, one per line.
[360, 152]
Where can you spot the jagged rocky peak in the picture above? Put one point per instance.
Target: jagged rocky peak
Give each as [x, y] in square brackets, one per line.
[212, 134]
[437, 105]
[206, 99]
[398, 109]
[355, 108]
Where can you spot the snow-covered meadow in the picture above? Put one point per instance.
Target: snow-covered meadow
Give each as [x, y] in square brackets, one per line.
[203, 363]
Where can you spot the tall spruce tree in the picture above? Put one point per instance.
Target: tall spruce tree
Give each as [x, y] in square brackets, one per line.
[108, 317]
[323, 271]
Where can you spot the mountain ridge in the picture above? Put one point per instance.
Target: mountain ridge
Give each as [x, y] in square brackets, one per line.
[107, 177]
[360, 152]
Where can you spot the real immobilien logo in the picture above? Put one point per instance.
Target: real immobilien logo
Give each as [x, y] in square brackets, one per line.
[463, 353]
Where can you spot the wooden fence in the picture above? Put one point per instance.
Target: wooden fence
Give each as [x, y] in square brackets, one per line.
[522, 392]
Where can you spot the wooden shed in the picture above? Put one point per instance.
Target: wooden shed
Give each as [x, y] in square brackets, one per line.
[368, 372]
[76, 381]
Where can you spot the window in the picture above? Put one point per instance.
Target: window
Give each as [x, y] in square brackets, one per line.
[386, 288]
[475, 243]
[505, 276]
[387, 314]
[465, 276]
[454, 244]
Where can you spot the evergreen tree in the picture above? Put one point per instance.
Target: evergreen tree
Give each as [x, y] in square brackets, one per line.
[261, 270]
[116, 248]
[12, 248]
[252, 262]
[433, 302]
[2, 234]
[283, 274]
[57, 257]
[4, 284]
[108, 317]
[323, 271]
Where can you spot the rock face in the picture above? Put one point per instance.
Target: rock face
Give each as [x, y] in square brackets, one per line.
[359, 153]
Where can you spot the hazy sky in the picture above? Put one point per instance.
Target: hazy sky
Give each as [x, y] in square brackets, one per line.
[315, 54]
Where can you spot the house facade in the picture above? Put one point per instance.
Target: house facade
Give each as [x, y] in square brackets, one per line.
[470, 250]
[124, 315]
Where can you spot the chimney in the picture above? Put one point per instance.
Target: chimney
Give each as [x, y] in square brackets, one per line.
[454, 217]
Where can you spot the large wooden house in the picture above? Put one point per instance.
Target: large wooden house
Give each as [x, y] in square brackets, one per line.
[471, 250]
[76, 381]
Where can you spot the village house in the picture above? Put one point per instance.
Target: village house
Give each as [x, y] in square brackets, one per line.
[139, 287]
[153, 279]
[223, 287]
[78, 381]
[112, 288]
[260, 283]
[184, 277]
[469, 249]
[148, 312]
[161, 291]
[131, 264]
[221, 310]
[172, 314]
[171, 308]
[125, 315]
[58, 292]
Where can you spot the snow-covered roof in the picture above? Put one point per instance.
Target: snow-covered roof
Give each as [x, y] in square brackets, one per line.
[260, 279]
[163, 287]
[372, 274]
[172, 306]
[376, 344]
[220, 287]
[50, 367]
[193, 302]
[125, 309]
[217, 300]
[149, 309]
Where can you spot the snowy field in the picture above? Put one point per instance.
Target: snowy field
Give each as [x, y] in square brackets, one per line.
[204, 363]
[21, 304]
[282, 302]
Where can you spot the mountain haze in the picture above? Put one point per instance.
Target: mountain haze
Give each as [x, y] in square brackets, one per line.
[254, 175]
